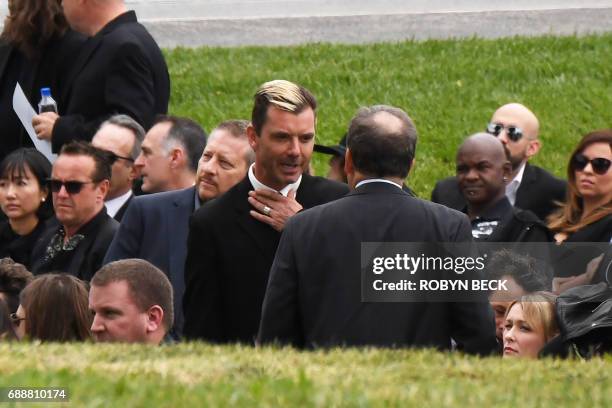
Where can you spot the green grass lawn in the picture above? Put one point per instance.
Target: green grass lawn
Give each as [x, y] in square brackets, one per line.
[196, 375]
[450, 88]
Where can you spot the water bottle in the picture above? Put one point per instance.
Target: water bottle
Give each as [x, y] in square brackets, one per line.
[47, 103]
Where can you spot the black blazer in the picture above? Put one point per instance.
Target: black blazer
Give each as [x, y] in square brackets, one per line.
[314, 293]
[47, 70]
[120, 70]
[229, 254]
[87, 257]
[537, 192]
[19, 248]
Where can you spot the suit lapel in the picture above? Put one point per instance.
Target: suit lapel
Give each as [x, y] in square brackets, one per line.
[177, 230]
[263, 236]
[524, 192]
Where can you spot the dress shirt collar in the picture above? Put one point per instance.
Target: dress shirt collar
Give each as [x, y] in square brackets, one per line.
[377, 180]
[257, 185]
[513, 186]
[113, 205]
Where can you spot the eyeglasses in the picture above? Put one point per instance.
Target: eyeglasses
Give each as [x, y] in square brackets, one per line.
[600, 165]
[16, 320]
[71, 186]
[112, 157]
[514, 133]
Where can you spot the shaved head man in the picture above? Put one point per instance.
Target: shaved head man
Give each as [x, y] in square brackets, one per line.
[529, 187]
[518, 129]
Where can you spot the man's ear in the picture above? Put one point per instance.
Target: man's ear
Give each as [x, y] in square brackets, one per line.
[412, 165]
[134, 172]
[177, 158]
[103, 187]
[349, 168]
[533, 148]
[507, 171]
[252, 136]
[155, 317]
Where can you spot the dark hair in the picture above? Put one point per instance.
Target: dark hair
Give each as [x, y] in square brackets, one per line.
[148, 285]
[6, 326]
[380, 149]
[102, 169]
[524, 269]
[15, 164]
[186, 132]
[283, 95]
[569, 217]
[126, 122]
[13, 278]
[237, 128]
[30, 24]
[56, 308]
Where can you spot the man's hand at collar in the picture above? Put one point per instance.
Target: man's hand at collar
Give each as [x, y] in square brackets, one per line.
[273, 208]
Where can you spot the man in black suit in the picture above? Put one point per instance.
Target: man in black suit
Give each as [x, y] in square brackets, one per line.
[77, 242]
[120, 70]
[314, 293]
[529, 187]
[121, 136]
[232, 240]
[314, 296]
[155, 226]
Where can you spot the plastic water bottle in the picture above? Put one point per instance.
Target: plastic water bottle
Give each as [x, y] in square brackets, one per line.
[47, 103]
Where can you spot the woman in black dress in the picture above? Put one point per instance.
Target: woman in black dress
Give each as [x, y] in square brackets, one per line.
[25, 200]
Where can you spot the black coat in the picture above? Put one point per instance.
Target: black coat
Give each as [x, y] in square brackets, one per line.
[537, 192]
[314, 297]
[120, 70]
[229, 254]
[48, 69]
[85, 260]
[17, 247]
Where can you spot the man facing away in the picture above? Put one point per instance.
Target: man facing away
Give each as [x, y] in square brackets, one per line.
[122, 137]
[232, 240]
[313, 297]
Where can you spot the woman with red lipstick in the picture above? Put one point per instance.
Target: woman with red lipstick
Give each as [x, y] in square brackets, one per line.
[586, 215]
[530, 324]
[24, 199]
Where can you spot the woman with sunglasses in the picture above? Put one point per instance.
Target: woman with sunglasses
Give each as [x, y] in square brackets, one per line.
[25, 200]
[586, 216]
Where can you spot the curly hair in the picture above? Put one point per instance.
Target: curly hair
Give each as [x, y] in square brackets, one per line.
[30, 24]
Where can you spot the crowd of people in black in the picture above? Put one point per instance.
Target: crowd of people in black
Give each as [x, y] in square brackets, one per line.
[147, 229]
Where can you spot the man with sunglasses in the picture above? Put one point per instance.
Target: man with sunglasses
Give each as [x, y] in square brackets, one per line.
[529, 187]
[77, 242]
[121, 136]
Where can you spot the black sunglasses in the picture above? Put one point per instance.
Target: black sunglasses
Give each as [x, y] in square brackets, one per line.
[71, 186]
[112, 157]
[514, 133]
[16, 320]
[600, 165]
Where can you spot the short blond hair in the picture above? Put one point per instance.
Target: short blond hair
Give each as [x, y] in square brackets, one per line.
[284, 95]
[539, 312]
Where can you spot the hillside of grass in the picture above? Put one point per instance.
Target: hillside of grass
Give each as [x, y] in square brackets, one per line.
[197, 375]
[450, 88]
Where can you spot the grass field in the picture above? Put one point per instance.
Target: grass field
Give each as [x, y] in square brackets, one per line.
[450, 88]
[195, 375]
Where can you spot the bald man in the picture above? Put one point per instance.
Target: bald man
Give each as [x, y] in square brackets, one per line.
[483, 168]
[528, 187]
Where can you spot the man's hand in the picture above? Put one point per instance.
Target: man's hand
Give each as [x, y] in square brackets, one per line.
[43, 124]
[273, 208]
[560, 285]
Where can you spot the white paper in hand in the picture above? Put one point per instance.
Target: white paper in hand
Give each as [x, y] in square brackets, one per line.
[26, 113]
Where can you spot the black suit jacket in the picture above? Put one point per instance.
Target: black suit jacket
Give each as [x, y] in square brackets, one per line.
[537, 192]
[87, 257]
[314, 293]
[228, 261]
[155, 228]
[121, 212]
[120, 70]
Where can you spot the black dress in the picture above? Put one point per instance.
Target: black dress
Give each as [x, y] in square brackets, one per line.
[18, 247]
